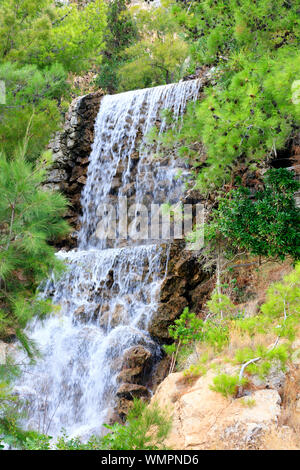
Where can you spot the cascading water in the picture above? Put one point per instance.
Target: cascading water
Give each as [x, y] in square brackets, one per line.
[111, 287]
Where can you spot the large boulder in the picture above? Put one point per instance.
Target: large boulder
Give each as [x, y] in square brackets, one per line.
[204, 419]
[136, 367]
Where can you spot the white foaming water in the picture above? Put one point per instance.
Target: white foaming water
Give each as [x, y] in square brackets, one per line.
[108, 295]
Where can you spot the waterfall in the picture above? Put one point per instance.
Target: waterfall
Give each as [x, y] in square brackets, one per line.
[111, 287]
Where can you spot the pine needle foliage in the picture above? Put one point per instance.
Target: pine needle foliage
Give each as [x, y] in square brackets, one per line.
[121, 33]
[247, 114]
[30, 218]
[158, 56]
[42, 44]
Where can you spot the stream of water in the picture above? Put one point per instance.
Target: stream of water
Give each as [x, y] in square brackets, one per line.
[111, 287]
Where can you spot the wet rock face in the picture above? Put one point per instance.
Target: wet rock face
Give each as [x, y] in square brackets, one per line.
[185, 285]
[71, 149]
[136, 367]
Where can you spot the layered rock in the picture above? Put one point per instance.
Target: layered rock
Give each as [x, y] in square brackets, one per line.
[185, 285]
[71, 149]
[136, 366]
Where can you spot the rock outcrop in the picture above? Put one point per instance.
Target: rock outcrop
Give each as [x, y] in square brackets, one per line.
[204, 419]
[137, 364]
[71, 149]
[185, 284]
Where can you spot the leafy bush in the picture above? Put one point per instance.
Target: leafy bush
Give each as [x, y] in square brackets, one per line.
[40, 44]
[146, 429]
[187, 328]
[221, 29]
[283, 298]
[267, 224]
[195, 370]
[158, 57]
[32, 96]
[121, 32]
[220, 304]
[42, 33]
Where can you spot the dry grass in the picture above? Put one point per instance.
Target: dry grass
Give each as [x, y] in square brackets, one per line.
[239, 340]
[280, 439]
[287, 435]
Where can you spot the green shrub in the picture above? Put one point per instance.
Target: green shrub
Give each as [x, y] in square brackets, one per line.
[157, 57]
[43, 33]
[267, 224]
[283, 298]
[227, 385]
[32, 96]
[146, 429]
[248, 402]
[187, 328]
[195, 370]
[120, 33]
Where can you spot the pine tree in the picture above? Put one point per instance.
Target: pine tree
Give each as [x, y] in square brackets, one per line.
[30, 218]
[121, 32]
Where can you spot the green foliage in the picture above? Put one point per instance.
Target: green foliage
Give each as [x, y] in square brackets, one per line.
[32, 96]
[267, 357]
[42, 33]
[32, 440]
[227, 385]
[265, 225]
[40, 44]
[279, 313]
[187, 328]
[158, 56]
[279, 353]
[251, 109]
[248, 402]
[221, 29]
[220, 304]
[146, 429]
[216, 333]
[253, 325]
[195, 370]
[284, 297]
[29, 218]
[121, 31]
